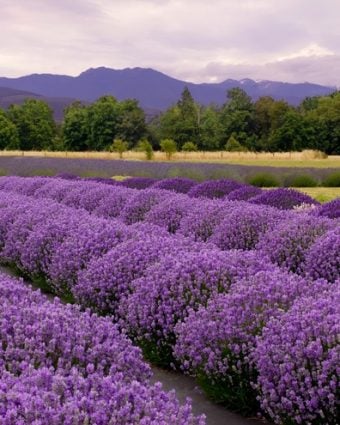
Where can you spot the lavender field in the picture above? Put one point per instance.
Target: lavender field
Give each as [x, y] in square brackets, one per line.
[234, 285]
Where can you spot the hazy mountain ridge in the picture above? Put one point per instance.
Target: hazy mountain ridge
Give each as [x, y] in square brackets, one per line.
[152, 88]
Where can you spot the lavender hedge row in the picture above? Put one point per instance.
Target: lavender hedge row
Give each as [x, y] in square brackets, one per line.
[59, 365]
[152, 299]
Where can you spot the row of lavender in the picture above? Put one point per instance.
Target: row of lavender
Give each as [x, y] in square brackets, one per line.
[59, 365]
[189, 290]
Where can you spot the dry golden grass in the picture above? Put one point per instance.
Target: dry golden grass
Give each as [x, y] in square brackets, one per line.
[311, 159]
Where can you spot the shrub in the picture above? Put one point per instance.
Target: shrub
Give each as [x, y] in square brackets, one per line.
[176, 285]
[140, 204]
[169, 214]
[169, 147]
[145, 146]
[297, 359]
[264, 180]
[176, 184]
[216, 342]
[244, 193]
[189, 147]
[234, 145]
[330, 209]
[323, 259]
[304, 181]
[289, 241]
[138, 182]
[214, 188]
[282, 198]
[119, 146]
[332, 180]
[199, 223]
[243, 225]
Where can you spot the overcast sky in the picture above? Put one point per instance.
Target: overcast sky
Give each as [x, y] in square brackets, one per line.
[195, 40]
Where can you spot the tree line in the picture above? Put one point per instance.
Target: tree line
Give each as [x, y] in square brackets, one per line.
[238, 125]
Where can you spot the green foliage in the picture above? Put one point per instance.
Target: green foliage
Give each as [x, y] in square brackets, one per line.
[75, 128]
[189, 147]
[210, 129]
[234, 392]
[102, 123]
[304, 180]
[264, 180]
[35, 124]
[9, 138]
[169, 147]
[332, 180]
[131, 125]
[145, 146]
[119, 146]
[233, 145]
[181, 121]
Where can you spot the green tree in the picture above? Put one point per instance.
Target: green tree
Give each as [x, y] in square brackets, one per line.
[237, 116]
[102, 123]
[9, 138]
[211, 129]
[269, 116]
[293, 135]
[189, 147]
[75, 128]
[325, 118]
[131, 125]
[145, 146]
[233, 145]
[169, 147]
[119, 146]
[35, 124]
[181, 122]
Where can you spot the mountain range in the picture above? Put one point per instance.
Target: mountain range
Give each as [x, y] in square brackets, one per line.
[154, 90]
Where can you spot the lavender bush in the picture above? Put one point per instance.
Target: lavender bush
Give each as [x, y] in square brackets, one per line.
[174, 286]
[215, 343]
[297, 359]
[323, 258]
[243, 225]
[176, 184]
[288, 243]
[214, 188]
[284, 199]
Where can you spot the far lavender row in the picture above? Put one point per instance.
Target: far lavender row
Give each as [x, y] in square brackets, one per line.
[154, 284]
[59, 365]
[211, 189]
[283, 235]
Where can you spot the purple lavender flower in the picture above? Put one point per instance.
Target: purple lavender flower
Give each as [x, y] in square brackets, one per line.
[330, 209]
[244, 193]
[215, 343]
[176, 184]
[243, 225]
[138, 182]
[214, 188]
[169, 213]
[137, 206]
[282, 198]
[178, 283]
[323, 257]
[297, 359]
[288, 242]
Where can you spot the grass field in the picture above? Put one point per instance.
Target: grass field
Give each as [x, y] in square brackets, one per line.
[305, 159]
[321, 194]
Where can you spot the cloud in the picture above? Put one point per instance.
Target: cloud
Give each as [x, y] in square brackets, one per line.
[192, 39]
